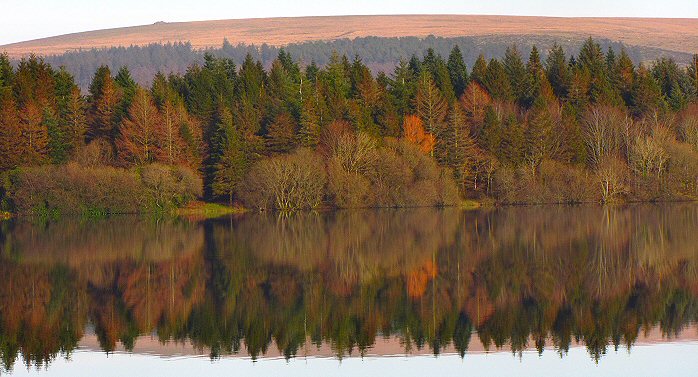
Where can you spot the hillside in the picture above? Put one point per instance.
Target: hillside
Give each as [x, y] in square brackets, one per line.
[679, 35]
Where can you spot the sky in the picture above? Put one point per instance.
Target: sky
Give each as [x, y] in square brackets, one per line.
[22, 20]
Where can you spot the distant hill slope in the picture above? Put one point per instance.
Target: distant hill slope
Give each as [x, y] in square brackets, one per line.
[679, 35]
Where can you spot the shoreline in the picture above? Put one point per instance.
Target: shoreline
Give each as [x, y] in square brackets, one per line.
[201, 210]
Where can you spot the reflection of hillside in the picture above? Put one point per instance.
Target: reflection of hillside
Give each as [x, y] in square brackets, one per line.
[262, 284]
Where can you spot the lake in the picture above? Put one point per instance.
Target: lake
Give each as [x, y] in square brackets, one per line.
[555, 290]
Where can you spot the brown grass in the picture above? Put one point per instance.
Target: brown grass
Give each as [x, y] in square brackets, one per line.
[671, 34]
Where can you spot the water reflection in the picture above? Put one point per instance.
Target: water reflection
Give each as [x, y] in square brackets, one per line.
[431, 279]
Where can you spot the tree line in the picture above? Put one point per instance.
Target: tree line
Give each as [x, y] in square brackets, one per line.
[594, 127]
[380, 54]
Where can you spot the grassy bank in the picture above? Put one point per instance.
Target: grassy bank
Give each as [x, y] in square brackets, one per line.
[207, 210]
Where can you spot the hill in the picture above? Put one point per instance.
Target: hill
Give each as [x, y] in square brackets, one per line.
[679, 35]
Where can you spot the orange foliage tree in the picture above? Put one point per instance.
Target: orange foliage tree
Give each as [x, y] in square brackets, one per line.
[141, 133]
[413, 129]
[475, 101]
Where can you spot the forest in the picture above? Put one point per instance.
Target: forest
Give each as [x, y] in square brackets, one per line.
[380, 54]
[594, 127]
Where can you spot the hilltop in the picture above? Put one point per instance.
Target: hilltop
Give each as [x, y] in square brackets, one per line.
[680, 35]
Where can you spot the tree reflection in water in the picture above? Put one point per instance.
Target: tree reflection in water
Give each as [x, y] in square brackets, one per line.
[514, 278]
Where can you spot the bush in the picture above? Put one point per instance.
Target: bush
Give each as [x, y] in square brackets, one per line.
[289, 182]
[170, 186]
[75, 189]
[403, 176]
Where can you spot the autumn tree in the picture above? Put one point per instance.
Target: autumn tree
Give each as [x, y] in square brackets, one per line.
[141, 134]
[103, 100]
[430, 104]
[34, 140]
[281, 137]
[413, 131]
[10, 132]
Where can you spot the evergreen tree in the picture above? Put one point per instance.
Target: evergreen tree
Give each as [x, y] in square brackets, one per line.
[127, 87]
[693, 71]
[479, 70]
[437, 68]
[232, 163]
[309, 132]
[402, 87]
[557, 71]
[338, 86]
[519, 80]
[250, 95]
[621, 74]
[491, 133]
[280, 137]
[647, 97]
[102, 106]
[67, 132]
[457, 71]
[497, 81]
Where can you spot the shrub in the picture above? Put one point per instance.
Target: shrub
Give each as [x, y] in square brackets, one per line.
[170, 186]
[74, 189]
[289, 182]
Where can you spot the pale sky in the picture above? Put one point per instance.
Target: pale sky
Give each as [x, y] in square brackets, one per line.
[22, 20]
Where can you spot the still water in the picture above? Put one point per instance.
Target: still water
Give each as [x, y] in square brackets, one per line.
[525, 290]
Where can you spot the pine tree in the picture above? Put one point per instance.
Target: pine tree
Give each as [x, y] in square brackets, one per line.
[647, 97]
[232, 164]
[6, 72]
[67, 135]
[309, 132]
[625, 76]
[103, 101]
[437, 68]
[557, 71]
[457, 71]
[403, 87]
[497, 81]
[76, 118]
[479, 70]
[491, 133]
[540, 87]
[538, 136]
[127, 88]
[337, 85]
[281, 137]
[519, 80]
[250, 95]
[693, 71]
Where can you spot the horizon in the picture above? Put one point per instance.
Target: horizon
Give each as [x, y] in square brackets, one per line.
[33, 19]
